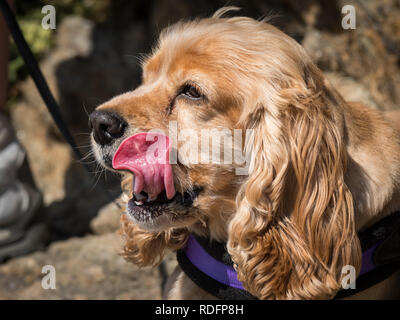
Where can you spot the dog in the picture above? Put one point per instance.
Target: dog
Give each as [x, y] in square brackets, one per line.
[320, 170]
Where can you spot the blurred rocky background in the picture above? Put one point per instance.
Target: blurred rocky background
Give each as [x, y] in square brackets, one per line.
[92, 56]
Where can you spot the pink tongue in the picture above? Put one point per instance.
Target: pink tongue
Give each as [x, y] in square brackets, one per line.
[147, 156]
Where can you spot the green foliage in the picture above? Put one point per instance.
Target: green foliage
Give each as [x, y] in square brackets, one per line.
[39, 40]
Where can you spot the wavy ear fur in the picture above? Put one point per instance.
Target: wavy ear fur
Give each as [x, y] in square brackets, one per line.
[294, 227]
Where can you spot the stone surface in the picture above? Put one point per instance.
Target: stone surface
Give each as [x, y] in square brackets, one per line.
[369, 54]
[107, 220]
[350, 89]
[86, 268]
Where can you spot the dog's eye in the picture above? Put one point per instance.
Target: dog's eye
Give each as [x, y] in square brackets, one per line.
[191, 92]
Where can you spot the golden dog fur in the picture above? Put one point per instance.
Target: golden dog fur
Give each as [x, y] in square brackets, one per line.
[321, 168]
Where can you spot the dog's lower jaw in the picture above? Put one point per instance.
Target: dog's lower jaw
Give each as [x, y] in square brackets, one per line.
[156, 224]
[164, 222]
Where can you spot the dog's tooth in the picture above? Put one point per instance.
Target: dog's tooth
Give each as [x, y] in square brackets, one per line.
[139, 203]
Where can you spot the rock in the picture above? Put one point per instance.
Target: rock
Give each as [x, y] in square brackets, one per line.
[107, 220]
[369, 54]
[86, 268]
[350, 89]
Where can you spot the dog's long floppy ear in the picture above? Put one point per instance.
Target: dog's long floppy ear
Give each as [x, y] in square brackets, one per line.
[294, 227]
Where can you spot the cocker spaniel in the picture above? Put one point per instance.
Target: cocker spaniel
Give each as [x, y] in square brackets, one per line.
[259, 152]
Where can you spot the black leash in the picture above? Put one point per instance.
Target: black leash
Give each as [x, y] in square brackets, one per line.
[41, 84]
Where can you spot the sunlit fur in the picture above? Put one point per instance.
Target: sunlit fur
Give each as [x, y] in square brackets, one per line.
[321, 168]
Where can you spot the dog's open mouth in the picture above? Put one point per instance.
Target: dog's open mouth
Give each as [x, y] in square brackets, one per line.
[141, 208]
[147, 157]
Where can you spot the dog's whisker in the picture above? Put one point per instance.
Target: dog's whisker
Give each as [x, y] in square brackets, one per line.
[84, 146]
[82, 133]
[89, 154]
[84, 108]
[98, 179]
[88, 162]
[105, 176]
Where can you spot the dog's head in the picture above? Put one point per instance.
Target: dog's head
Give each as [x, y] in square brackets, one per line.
[284, 209]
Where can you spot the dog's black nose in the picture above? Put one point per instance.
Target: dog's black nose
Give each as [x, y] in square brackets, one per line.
[106, 126]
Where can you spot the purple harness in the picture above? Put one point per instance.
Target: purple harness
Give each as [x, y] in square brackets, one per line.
[207, 264]
[206, 270]
[227, 275]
